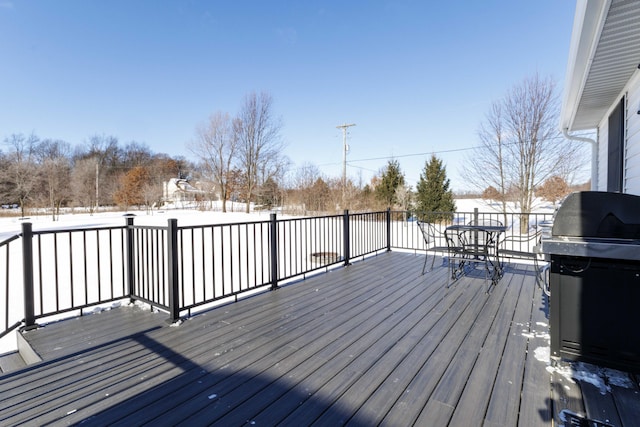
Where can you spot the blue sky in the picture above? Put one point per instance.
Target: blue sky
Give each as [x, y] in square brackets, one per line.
[416, 77]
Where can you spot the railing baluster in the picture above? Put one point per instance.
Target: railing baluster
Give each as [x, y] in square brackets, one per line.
[213, 261]
[85, 272]
[71, 269]
[99, 259]
[40, 275]
[6, 285]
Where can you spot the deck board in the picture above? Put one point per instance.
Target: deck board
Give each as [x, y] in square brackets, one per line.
[376, 343]
[474, 399]
[505, 400]
[599, 406]
[534, 390]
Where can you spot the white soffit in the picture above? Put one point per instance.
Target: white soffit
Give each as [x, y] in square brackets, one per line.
[602, 60]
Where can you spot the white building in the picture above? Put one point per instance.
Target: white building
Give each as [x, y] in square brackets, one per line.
[180, 191]
[602, 90]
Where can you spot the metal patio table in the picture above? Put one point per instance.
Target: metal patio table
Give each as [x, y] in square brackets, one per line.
[470, 245]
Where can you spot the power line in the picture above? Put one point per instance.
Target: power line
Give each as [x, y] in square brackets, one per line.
[453, 150]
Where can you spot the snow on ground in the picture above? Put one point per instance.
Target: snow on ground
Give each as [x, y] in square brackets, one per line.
[467, 205]
[186, 217]
[13, 225]
[601, 378]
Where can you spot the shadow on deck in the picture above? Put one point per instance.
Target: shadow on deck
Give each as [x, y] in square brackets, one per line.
[374, 343]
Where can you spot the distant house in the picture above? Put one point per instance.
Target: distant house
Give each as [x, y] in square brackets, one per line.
[602, 90]
[180, 191]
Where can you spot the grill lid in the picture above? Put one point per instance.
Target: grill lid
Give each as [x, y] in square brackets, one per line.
[597, 214]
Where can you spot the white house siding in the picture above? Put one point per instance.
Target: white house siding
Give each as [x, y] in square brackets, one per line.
[632, 151]
[632, 140]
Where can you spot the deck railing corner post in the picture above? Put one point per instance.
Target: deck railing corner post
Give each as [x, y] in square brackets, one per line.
[130, 257]
[172, 248]
[27, 276]
[346, 238]
[273, 245]
[388, 229]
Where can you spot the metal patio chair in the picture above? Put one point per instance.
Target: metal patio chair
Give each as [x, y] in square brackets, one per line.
[430, 236]
[526, 247]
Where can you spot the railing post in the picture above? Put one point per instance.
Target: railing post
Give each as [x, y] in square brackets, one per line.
[27, 276]
[273, 225]
[388, 229]
[172, 255]
[346, 247]
[130, 257]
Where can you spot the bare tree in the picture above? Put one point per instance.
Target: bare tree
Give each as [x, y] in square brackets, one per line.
[55, 167]
[215, 145]
[303, 181]
[521, 145]
[259, 145]
[108, 163]
[20, 175]
[106, 149]
[83, 182]
[487, 166]
[135, 154]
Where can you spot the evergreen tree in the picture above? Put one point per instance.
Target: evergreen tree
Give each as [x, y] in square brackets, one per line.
[391, 179]
[268, 193]
[433, 193]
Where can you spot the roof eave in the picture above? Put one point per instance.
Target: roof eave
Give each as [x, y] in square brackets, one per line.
[587, 27]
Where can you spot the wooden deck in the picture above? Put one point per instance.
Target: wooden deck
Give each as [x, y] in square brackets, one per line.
[372, 344]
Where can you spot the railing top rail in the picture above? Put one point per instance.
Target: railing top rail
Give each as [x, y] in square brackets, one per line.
[10, 239]
[77, 229]
[303, 218]
[473, 212]
[371, 213]
[220, 224]
[148, 227]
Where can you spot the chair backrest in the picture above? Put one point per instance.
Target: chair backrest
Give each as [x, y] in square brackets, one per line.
[486, 221]
[425, 228]
[430, 234]
[522, 242]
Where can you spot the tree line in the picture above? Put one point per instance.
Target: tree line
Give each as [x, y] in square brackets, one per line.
[50, 173]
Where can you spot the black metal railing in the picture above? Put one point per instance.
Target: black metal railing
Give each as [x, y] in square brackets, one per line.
[178, 268]
[222, 260]
[308, 244]
[10, 291]
[73, 269]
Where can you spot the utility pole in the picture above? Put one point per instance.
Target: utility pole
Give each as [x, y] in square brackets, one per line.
[97, 185]
[345, 148]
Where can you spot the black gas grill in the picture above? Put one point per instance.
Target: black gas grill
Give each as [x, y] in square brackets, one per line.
[594, 250]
